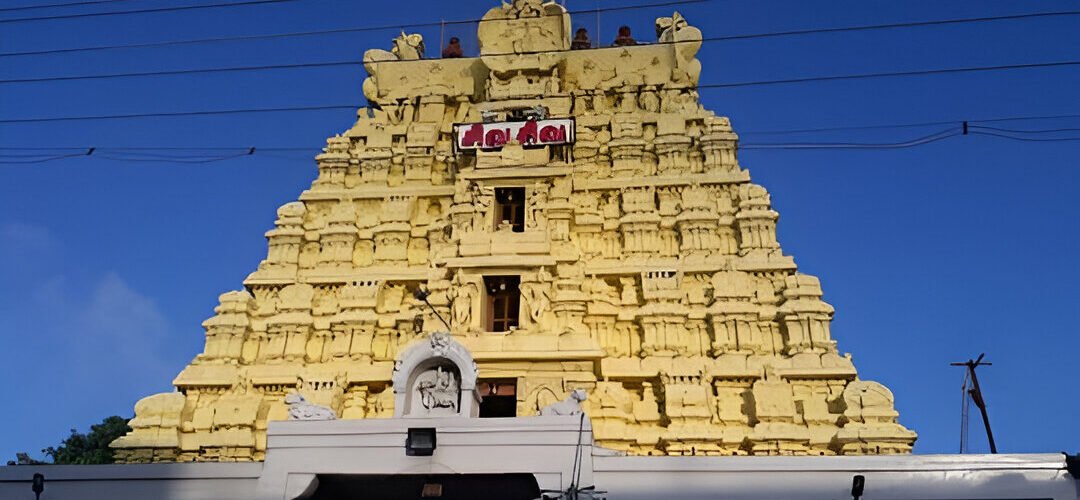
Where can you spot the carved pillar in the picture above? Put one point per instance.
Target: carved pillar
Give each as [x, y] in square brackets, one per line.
[627, 146]
[376, 157]
[756, 221]
[672, 144]
[339, 236]
[870, 422]
[775, 431]
[288, 330]
[718, 145]
[228, 329]
[640, 226]
[356, 402]
[285, 239]
[333, 163]
[806, 318]
[421, 138]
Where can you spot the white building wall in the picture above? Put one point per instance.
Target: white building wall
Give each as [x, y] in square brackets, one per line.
[189, 481]
[545, 447]
[929, 477]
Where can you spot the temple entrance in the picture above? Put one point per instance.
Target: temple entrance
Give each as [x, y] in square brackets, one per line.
[443, 486]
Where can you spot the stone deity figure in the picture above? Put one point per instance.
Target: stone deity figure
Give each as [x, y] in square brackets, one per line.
[481, 200]
[537, 295]
[537, 202]
[461, 294]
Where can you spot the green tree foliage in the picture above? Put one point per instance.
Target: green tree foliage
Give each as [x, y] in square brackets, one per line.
[91, 448]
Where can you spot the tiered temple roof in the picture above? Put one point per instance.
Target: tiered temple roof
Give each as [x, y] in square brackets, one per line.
[645, 262]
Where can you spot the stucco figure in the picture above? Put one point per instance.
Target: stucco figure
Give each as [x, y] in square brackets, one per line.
[569, 406]
[301, 409]
[647, 264]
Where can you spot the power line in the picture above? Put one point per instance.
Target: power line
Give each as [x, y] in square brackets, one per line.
[257, 2]
[1026, 139]
[266, 67]
[361, 29]
[857, 76]
[191, 71]
[179, 113]
[432, 24]
[860, 76]
[58, 5]
[144, 11]
[1029, 131]
[209, 154]
[912, 24]
[944, 134]
[904, 125]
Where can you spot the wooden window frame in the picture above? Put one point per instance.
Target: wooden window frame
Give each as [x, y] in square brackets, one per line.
[502, 307]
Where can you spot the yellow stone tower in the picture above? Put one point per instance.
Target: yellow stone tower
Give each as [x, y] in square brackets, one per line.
[578, 219]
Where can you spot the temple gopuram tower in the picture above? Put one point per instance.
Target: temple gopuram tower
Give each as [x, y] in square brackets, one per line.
[577, 219]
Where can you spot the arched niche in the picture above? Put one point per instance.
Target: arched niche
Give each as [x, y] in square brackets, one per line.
[436, 378]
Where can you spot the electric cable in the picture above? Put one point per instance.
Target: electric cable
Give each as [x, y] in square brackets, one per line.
[944, 134]
[703, 86]
[170, 151]
[722, 38]
[59, 5]
[824, 78]
[911, 24]
[904, 125]
[1026, 139]
[245, 3]
[386, 27]
[1027, 131]
[178, 113]
[860, 76]
[123, 154]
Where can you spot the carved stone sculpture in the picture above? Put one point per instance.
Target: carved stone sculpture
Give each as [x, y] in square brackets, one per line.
[301, 409]
[569, 406]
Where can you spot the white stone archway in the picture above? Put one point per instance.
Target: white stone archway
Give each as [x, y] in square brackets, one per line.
[436, 378]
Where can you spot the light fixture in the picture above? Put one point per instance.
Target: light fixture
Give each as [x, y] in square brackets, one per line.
[37, 485]
[858, 484]
[420, 442]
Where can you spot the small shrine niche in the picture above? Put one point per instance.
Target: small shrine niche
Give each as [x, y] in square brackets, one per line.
[436, 378]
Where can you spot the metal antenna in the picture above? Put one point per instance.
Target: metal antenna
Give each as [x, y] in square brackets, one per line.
[976, 396]
[422, 294]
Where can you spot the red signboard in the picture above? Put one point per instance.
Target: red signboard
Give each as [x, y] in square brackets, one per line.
[526, 133]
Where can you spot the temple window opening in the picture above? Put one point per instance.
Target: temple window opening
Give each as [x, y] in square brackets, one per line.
[510, 208]
[499, 398]
[503, 302]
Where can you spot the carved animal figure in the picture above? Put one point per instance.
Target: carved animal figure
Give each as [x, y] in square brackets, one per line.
[439, 393]
[409, 47]
[301, 409]
[569, 406]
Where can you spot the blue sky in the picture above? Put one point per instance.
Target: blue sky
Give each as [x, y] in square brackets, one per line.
[930, 255]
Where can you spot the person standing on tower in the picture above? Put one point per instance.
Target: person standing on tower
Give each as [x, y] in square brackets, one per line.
[581, 40]
[624, 38]
[453, 49]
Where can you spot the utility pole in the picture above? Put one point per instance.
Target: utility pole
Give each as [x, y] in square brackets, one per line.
[976, 394]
